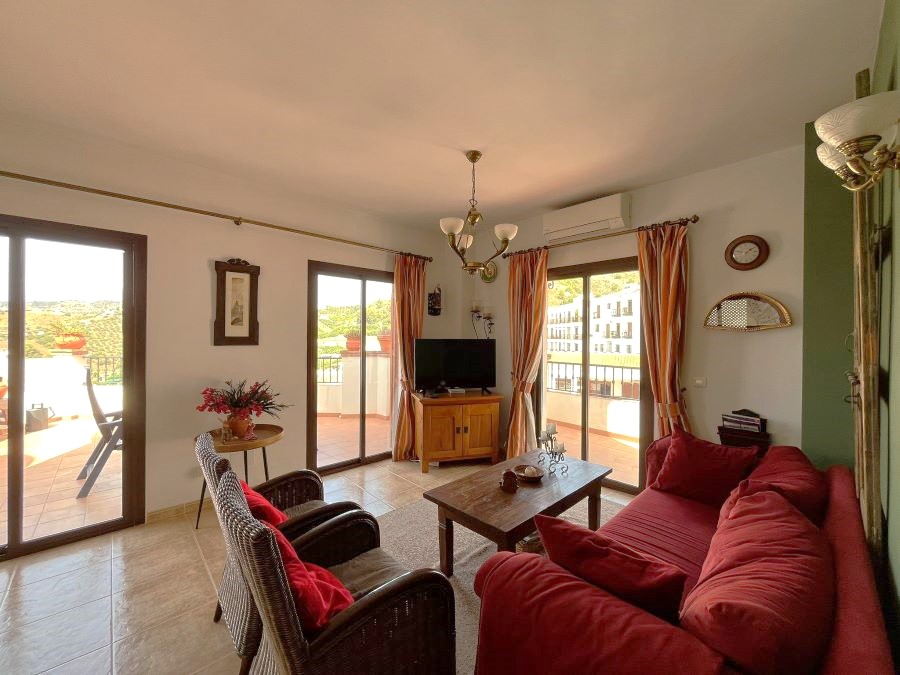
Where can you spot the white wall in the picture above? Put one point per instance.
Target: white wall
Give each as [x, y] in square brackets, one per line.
[181, 297]
[760, 371]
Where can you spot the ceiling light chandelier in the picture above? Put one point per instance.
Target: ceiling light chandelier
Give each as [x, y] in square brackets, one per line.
[859, 139]
[461, 233]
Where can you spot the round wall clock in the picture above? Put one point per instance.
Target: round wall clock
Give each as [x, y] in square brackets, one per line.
[747, 252]
[489, 272]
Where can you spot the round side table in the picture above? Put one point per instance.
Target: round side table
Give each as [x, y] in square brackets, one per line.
[266, 435]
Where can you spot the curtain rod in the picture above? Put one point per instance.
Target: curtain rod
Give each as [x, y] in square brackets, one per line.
[237, 220]
[665, 223]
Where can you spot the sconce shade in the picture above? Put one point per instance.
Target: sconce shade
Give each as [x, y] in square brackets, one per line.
[866, 116]
[464, 241]
[506, 231]
[830, 157]
[452, 225]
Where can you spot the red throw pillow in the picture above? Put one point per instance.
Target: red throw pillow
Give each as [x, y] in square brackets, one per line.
[318, 594]
[792, 474]
[644, 581]
[765, 597]
[261, 508]
[745, 488]
[703, 471]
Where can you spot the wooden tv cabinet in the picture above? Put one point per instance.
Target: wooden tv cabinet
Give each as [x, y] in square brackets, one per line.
[457, 426]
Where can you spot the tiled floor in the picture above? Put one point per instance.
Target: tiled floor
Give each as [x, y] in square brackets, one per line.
[54, 457]
[620, 454]
[338, 437]
[141, 600]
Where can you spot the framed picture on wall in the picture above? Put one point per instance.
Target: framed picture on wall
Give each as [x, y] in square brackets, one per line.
[236, 294]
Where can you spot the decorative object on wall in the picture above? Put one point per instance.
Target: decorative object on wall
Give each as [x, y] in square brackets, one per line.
[241, 403]
[747, 252]
[236, 296]
[483, 316]
[860, 145]
[434, 301]
[747, 312]
[461, 232]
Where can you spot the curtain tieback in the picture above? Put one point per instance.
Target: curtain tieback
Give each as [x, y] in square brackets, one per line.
[405, 385]
[670, 410]
[522, 387]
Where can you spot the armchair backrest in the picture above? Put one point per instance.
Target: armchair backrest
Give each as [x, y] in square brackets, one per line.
[256, 550]
[235, 599]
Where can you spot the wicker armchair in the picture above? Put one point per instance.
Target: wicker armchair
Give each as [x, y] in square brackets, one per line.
[401, 622]
[299, 494]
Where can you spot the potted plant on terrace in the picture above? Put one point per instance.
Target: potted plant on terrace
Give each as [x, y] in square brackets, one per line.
[385, 340]
[353, 340]
[241, 403]
[68, 336]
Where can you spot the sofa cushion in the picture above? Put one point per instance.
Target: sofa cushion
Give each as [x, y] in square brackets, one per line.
[655, 456]
[674, 529]
[638, 578]
[318, 594]
[703, 471]
[791, 473]
[366, 572]
[261, 508]
[765, 596]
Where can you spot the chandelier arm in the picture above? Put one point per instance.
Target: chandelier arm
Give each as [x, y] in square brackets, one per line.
[504, 245]
[451, 241]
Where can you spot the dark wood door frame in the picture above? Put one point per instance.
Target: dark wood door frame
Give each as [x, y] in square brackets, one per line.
[586, 271]
[134, 332]
[314, 269]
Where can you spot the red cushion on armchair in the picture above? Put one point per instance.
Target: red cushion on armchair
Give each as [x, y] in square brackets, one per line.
[638, 578]
[703, 471]
[318, 594]
[261, 508]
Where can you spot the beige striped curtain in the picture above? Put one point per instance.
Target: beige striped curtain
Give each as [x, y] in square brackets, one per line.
[663, 264]
[527, 297]
[407, 313]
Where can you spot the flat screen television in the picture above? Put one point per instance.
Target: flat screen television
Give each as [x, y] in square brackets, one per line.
[466, 364]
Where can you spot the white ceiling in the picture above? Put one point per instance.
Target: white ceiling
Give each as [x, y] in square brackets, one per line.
[371, 104]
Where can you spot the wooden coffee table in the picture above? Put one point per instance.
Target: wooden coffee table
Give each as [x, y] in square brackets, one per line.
[478, 503]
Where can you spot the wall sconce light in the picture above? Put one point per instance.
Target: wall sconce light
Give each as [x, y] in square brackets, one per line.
[859, 139]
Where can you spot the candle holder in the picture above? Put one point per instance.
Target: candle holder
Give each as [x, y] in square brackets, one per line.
[553, 453]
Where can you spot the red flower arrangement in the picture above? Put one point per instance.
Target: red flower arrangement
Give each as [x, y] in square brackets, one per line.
[241, 401]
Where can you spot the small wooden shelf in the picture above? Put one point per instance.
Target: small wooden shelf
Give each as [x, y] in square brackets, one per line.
[457, 426]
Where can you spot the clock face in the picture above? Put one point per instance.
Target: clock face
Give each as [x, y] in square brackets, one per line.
[747, 252]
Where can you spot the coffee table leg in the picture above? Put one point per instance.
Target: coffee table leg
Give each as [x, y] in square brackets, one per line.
[445, 539]
[594, 510]
[506, 545]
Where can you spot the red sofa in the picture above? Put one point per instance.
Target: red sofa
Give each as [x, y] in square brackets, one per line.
[538, 618]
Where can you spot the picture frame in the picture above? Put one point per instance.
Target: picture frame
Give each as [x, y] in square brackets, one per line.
[237, 283]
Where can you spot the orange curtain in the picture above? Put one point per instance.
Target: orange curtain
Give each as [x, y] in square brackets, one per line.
[527, 297]
[407, 314]
[663, 264]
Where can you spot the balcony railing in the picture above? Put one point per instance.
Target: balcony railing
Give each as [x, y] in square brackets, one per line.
[329, 370]
[106, 369]
[605, 381]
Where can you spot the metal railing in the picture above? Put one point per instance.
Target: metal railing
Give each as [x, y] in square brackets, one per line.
[605, 381]
[329, 370]
[106, 369]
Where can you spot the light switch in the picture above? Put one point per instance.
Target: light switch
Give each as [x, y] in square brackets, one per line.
[700, 382]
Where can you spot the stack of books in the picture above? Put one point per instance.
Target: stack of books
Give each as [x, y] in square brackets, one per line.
[746, 420]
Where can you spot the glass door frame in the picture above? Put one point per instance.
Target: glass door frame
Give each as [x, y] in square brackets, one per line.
[585, 271]
[315, 268]
[134, 345]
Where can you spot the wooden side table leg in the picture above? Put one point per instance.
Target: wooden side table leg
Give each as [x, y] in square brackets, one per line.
[445, 539]
[594, 504]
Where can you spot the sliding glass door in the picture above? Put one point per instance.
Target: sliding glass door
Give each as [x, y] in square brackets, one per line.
[72, 307]
[350, 375]
[594, 386]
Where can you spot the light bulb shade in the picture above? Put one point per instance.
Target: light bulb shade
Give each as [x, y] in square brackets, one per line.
[865, 116]
[506, 231]
[451, 225]
[464, 241]
[830, 157]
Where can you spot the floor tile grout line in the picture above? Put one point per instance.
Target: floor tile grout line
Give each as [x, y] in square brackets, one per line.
[3, 631]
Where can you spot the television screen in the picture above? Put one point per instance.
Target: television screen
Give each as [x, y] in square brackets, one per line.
[455, 363]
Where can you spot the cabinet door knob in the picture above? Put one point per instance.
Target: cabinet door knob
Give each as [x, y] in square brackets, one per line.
[465, 430]
[458, 429]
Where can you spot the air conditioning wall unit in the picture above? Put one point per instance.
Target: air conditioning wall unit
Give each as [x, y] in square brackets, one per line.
[588, 219]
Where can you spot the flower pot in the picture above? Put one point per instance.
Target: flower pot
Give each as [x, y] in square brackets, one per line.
[3, 389]
[239, 425]
[354, 343]
[70, 341]
[385, 342]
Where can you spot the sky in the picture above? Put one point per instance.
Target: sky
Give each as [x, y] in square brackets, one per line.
[343, 292]
[61, 271]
